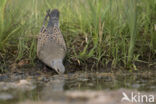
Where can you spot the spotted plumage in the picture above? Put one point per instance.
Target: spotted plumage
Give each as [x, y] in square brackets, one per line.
[51, 47]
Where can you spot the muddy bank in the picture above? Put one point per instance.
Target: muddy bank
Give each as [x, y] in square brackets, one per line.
[10, 64]
[24, 83]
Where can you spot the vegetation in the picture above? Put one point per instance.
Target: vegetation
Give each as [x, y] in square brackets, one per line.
[97, 32]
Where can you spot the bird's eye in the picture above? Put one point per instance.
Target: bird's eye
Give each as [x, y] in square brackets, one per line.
[58, 70]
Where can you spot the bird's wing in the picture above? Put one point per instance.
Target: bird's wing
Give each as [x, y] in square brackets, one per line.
[50, 36]
[58, 37]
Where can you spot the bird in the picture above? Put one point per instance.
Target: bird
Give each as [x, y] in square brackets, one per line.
[51, 46]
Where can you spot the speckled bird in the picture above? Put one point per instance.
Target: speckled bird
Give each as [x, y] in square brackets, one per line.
[51, 47]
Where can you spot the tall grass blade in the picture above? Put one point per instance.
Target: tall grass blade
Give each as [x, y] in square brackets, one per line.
[132, 22]
[2, 8]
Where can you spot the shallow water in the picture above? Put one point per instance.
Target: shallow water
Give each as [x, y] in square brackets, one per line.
[39, 87]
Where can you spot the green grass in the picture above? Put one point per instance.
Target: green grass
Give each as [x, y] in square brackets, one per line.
[96, 31]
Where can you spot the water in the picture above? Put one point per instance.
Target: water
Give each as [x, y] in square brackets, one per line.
[15, 88]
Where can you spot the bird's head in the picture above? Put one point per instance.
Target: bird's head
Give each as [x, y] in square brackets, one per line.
[53, 17]
[58, 66]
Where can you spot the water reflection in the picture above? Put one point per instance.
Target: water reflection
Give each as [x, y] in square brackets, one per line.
[53, 90]
[56, 88]
[100, 81]
[55, 83]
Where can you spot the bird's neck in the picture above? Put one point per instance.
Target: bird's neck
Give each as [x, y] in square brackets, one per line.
[53, 23]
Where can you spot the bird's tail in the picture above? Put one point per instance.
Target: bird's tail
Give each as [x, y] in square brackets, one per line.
[45, 19]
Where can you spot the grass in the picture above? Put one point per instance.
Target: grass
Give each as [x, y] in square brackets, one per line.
[97, 32]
